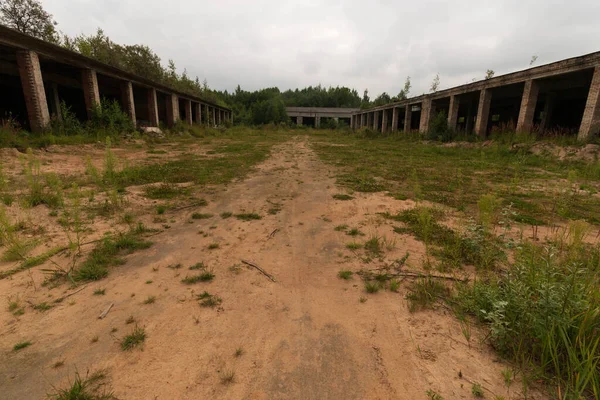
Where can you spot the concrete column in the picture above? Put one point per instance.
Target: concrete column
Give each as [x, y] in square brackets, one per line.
[33, 89]
[187, 107]
[395, 119]
[152, 107]
[453, 112]
[91, 93]
[206, 113]
[317, 122]
[214, 116]
[590, 123]
[375, 120]
[369, 120]
[55, 102]
[384, 121]
[127, 100]
[426, 111]
[528, 103]
[407, 118]
[299, 121]
[172, 109]
[469, 121]
[548, 110]
[363, 120]
[483, 112]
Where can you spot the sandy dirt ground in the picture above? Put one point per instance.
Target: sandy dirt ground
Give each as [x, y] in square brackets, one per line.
[305, 336]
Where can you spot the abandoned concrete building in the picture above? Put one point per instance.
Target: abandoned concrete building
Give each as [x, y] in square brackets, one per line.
[312, 116]
[563, 96]
[36, 76]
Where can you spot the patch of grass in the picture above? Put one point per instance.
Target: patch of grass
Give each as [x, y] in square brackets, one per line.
[201, 216]
[374, 246]
[174, 266]
[239, 352]
[99, 292]
[148, 282]
[227, 377]
[89, 388]
[340, 196]
[248, 216]
[15, 308]
[213, 246]
[345, 274]
[355, 232]
[372, 287]
[150, 300]
[433, 395]
[197, 266]
[425, 292]
[165, 191]
[107, 253]
[21, 345]
[42, 306]
[353, 246]
[341, 228]
[205, 276]
[134, 339]
[226, 215]
[477, 390]
[209, 300]
[362, 299]
[394, 285]
[160, 209]
[130, 320]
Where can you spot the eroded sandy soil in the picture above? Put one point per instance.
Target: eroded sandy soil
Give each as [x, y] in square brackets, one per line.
[305, 336]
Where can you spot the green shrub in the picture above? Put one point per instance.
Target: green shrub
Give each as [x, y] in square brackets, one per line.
[438, 128]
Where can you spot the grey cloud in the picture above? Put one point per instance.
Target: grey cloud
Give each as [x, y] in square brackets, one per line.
[354, 43]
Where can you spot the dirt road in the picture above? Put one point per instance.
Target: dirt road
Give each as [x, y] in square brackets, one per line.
[306, 336]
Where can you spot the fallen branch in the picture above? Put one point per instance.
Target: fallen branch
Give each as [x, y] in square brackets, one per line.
[106, 311]
[70, 294]
[273, 233]
[260, 269]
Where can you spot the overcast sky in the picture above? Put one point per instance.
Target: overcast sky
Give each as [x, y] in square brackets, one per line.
[360, 44]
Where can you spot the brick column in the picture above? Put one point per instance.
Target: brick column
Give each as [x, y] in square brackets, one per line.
[127, 100]
[395, 118]
[528, 103]
[407, 118]
[384, 121]
[375, 120]
[187, 106]
[172, 109]
[33, 89]
[426, 107]
[453, 112]
[91, 93]
[152, 107]
[483, 112]
[590, 123]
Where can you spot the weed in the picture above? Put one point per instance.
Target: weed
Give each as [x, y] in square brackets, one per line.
[150, 300]
[134, 339]
[213, 246]
[355, 232]
[341, 228]
[148, 282]
[130, 320]
[165, 191]
[239, 352]
[209, 300]
[21, 345]
[201, 216]
[433, 395]
[42, 307]
[206, 276]
[226, 215]
[99, 292]
[160, 209]
[197, 266]
[353, 246]
[248, 216]
[88, 388]
[15, 308]
[372, 287]
[394, 285]
[477, 390]
[425, 292]
[345, 274]
[174, 266]
[342, 197]
[227, 377]
[362, 299]
[374, 246]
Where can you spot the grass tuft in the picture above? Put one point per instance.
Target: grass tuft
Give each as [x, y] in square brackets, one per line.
[134, 339]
